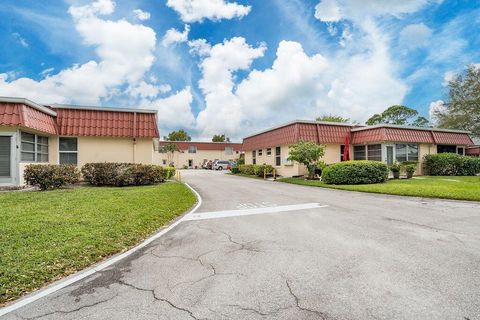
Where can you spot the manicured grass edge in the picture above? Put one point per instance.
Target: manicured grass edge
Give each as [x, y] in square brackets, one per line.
[343, 188]
[108, 260]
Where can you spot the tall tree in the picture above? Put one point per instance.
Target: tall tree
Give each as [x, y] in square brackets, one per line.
[332, 118]
[169, 149]
[180, 135]
[218, 138]
[462, 110]
[399, 115]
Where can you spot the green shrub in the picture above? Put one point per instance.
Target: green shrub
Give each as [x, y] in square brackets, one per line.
[355, 172]
[247, 169]
[169, 172]
[122, 174]
[451, 164]
[410, 169]
[264, 168]
[235, 170]
[50, 176]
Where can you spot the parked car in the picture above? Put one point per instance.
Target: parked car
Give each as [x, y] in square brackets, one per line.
[220, 165]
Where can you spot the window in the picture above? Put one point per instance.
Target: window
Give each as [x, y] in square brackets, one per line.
[34, 148]
[461, 150]
[254, 157]
[164, 162]
[406, 152]
[5, 156]
[342, 152]
[278, 156]
[374, 152]
[359, 153]
[228, 150]
[446, 149]
[269, 152]
[192, 149]
[68, 150]
[260, 152]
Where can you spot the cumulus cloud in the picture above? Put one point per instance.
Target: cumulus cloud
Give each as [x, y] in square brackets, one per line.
[297, 85]
[199, 10]
[174, 111]
[173, 36]
[415, 35]
[199, 47]
[125, 53]
[328, 11]
[147, 90]
[141, 15]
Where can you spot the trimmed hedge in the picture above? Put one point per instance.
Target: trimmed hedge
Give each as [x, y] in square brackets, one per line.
[50, 176]
[254, 169]
[169, 172]
[355, 172]
[122, 174]
[451, 164]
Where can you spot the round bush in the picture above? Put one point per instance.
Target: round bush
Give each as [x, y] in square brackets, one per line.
[355, 172]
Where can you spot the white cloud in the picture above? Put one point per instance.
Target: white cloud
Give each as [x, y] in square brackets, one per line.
[296, 85]
[46, 72]
[141, 15]
[198, 10]
[147, 90]
[336, 10]
[173, 36]
[447, 77]
[223, 112]
[436, 106]
[174, 111]
[415, 35]
[125, 52]
[200, 47]
[20, 40]
[328, 11]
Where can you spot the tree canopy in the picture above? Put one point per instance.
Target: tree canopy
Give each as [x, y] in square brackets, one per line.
[180, 135]
[332, 118]
[307, 153]
[462, 110]
[399, 115]
[218, 138]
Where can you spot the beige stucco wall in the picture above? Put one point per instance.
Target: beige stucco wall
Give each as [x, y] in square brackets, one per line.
[106, 149]
[289, 169]
[180, 159]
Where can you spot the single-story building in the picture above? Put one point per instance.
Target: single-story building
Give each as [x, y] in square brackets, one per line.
[193, 154]
[473, 151]
[66, 134]
[387, 143]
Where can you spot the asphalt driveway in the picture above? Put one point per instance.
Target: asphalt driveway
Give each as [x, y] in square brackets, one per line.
[267, 250]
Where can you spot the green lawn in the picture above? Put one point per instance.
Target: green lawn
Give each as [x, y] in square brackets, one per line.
[458, 188]
[47, 235]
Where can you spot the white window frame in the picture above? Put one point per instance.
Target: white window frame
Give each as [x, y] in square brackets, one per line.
[60, 152]
[260, 152]
[193, 150]
[461, 147]
[35, 148]
[230, 152]
[269, 152]
[14, 157]
[407, 149]
[278, 156]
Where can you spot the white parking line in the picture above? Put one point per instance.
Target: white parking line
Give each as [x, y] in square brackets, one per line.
[247, 212]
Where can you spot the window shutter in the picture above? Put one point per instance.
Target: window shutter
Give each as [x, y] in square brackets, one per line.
[5, 155]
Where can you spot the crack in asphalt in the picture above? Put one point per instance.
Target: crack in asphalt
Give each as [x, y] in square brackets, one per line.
[243, 246]
[68, 311]
[322, 315]
[165, 300]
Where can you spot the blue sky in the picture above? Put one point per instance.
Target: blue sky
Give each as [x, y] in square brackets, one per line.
[234, 67]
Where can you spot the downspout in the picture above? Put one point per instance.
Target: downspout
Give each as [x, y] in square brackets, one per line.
[134, 137]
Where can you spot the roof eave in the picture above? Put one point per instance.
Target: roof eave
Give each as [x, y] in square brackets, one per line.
[76, 107]
[30, 104]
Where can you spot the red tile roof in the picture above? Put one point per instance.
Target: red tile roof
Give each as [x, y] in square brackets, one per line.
[207, 146]
[325, 133]
[414, 135]
[96, 123]
[319, 132]
[19, 114]
[79, 121]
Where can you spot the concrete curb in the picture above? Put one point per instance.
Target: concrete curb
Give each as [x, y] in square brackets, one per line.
[60, 284]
